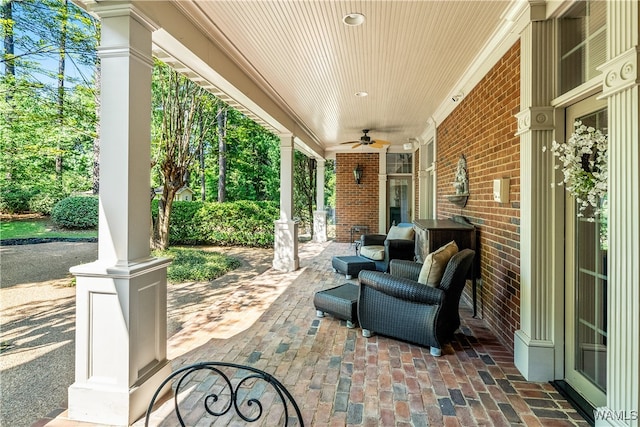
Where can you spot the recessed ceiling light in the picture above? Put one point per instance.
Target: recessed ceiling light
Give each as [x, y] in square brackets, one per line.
[361, 94]
[353, 19]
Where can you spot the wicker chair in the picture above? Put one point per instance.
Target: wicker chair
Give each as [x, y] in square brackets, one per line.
[398, 306]
[394, 248]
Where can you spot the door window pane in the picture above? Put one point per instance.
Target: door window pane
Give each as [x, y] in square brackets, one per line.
[583, 43]
[399, 200]
[591, 248]
[399, 163]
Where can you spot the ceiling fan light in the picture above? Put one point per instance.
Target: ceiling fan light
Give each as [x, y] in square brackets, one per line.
[353, 19]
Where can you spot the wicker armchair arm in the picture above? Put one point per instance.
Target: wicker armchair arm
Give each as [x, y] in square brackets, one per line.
[373, 239]
[405, 269]
[401, 288]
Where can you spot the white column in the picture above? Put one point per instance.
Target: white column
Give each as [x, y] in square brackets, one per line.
[320, 215]
[620, 87]
[538, 344]
[383, 212]
[285, 256]
[121, 319]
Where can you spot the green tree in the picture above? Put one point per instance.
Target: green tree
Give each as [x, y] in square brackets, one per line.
[304, 194]
[181, 113]
[48, 111]
[253, 160]
[222, 155]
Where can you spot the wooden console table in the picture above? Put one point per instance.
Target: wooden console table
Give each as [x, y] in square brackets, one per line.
[434, 233]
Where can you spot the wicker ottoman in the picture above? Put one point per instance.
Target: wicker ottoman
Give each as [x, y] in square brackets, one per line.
[351, 265]
[340, 302]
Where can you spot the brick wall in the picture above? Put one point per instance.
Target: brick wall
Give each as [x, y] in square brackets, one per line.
[356, 204]
[483, 128]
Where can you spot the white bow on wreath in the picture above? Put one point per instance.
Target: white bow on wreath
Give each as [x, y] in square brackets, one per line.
[585, 167]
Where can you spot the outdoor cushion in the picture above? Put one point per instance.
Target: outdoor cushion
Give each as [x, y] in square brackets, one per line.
[435, 263]
[374, 252]
[396, 232]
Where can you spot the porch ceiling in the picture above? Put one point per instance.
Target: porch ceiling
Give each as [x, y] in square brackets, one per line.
[411, 57]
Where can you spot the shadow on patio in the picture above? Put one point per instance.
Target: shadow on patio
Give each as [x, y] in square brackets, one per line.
[340, 378]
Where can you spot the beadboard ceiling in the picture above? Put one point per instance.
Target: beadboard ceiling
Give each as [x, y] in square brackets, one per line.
[409, 56]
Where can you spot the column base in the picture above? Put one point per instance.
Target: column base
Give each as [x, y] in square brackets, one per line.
[105, 404]
[535, 359]
[285, 255]
[121, 340]
[320, 226]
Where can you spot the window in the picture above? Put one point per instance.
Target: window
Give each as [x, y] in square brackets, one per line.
[583, 43]
[399, 163]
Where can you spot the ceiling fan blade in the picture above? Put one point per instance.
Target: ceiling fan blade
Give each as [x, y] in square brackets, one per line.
[350, 142]
[379, 143]
[356, 145]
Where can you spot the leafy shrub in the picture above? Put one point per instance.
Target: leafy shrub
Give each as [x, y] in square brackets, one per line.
[243, 223]
[183, 228]
[14, 199]
[43, 203]
[76, 212]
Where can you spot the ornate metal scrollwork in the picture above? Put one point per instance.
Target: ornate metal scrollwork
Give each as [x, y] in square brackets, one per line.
[244, 397]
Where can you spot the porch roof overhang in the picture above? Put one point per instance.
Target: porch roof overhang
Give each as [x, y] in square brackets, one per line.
[294, 67]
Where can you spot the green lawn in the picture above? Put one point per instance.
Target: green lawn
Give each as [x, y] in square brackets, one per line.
[38, 228]
[189, 264]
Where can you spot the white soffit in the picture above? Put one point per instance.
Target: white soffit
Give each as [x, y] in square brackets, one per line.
[408, 55]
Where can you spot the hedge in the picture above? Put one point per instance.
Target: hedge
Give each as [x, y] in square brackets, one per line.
[241, 223]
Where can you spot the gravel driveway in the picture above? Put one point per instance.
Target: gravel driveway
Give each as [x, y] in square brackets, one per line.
[37, 320]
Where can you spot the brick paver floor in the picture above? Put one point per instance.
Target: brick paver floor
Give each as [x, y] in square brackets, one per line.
[340, 378]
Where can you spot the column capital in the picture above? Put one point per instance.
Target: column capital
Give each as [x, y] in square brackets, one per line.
[286, 140]
[537, 10]
[114, 9]
[106, 52]
[621, 73]
[535, 118]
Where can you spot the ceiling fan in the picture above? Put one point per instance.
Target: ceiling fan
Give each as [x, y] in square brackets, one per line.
[366, 140]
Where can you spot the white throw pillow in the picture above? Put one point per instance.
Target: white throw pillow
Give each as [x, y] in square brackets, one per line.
[396, 232]
[435, 264]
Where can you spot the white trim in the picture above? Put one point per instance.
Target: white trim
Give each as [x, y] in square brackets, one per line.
[514, 21]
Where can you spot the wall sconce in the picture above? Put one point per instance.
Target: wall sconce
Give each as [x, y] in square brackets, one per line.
[357, 174]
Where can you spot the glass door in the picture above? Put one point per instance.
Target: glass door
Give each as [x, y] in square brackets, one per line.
[586, 279]
[399, 200]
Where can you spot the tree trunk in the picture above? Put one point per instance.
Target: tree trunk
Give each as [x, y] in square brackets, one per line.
[203, 180]
[10, 73]
[96, 141]
[164, 214]
[311, 193]
[61, 69]
[9, 62]
[222, 154]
